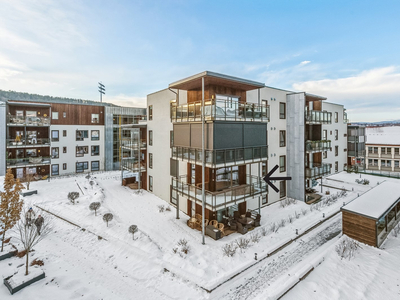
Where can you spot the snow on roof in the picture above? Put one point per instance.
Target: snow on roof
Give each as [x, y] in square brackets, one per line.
[375, 202]
[383, 135]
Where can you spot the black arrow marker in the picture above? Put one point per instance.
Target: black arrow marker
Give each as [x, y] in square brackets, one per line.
[268, 177]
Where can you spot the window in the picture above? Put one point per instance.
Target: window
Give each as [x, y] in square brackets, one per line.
[336, 134]
[325, 154]
[64, 166]
[265, 199]
[64, 149]
[324, 135]
[95, 150]
[81, 150]
[388, 150]
[396, 163]
[54, 152]
[151, 160]
[54, 136]
[282, 189]
[81, 134]
[150, 183]
[370, 149]
[79, 167]
[282, 138]
[171, 138]
[336, 117]
[396, 151]
[264, 169]
[376, 150]
[151, 137]
[64, 114]
[64, 133]
[150, 112]
[31, 152]
[282, 163]
[95, 135]
[54, 115]
[95, 118]
[95, 165]
[336, 150]
[54, 169]
[282, 110]
[336, 166]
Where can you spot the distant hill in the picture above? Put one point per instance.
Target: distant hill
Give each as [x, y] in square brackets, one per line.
[379, 123]
[12, 95]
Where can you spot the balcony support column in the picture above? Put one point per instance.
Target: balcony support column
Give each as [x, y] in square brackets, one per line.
[202, 164]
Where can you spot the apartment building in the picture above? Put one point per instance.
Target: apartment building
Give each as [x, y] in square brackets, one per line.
[249, 128]
[356, 146]
[383, 148]
[65, 137]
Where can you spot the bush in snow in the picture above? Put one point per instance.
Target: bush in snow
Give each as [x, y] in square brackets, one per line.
[72, 196]
[255, 237]
[347, 248]
[304, 211]
[94, 206]
[108, 217]
[133, 229]
[290, 219]
[182, 248]
[229, 250]
[87, 176]
[91, 182]
[264, 231]
[168, 208]
[242, 243]
[282, 223]
[274, 227]
[296, 215]
[161, 208]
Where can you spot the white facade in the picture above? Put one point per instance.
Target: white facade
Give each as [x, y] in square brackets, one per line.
[69, 144]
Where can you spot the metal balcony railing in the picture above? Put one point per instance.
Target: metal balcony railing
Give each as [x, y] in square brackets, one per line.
[28, 161]
[316, 170]
[30, 142]
[220, 110]
[223, 156]
[317, 146]
[318, 117]
[13, 120]
[131, 164]
[255, 186]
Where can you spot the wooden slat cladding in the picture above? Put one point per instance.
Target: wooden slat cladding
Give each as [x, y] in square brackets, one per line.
[360, 228]
[212, 90]
[77, 114]
[41, 111]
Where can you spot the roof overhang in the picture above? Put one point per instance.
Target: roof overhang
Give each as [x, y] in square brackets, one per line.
[312, 97]
[194, 82]
[28, 103]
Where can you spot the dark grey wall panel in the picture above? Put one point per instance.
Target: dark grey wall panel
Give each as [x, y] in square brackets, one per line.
[255, 135]
[182, 135]
[228, 135]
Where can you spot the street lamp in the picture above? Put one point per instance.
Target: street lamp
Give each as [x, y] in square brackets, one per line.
[102, 90]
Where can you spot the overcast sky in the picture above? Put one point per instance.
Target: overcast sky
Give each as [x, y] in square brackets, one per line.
[348, 51]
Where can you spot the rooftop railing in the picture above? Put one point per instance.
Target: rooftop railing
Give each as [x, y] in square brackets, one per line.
[317, 170]
[223, 156]
[216, 109]
[28, 161]
[318, 117]
[254, 186]
[316, 146]
[13, 120]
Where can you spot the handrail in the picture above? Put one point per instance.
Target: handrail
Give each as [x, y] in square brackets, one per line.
[28, 121]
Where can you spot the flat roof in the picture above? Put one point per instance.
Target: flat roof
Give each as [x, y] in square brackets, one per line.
[194, 82]
[374, 203]
[383, 135]
[27, 103]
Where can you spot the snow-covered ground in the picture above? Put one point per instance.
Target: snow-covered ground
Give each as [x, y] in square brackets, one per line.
[78, 264]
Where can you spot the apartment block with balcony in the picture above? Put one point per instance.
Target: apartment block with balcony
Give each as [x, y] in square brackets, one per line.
[356, 147]
[382, 149]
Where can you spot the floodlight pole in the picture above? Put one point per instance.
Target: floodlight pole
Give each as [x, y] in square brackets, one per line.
[203, 159]
[102, 90]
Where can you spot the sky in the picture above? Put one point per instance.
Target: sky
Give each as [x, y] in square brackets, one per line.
[347, 51]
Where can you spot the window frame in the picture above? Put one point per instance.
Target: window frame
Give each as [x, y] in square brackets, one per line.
[150, 112]
[58, 169]
[57, 150]
[94, 119]
[84, 135]
[81, 154]
[94, 138]
[64, 133]
[336, 117]
[98, 166]
[53, 139]
[54, 115]
[64, 149]
[282, 143]
[91, 150]
[150, 160]
[64, 166]
[282, 168]
[336, 150]
[336, 134]
[282, 115]
[150, 183]
[282, 189]
[150, 137]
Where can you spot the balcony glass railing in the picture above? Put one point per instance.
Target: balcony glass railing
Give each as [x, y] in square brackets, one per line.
[318, 117]
[254, 186]
[128, 143]
[316, 170]
[27, 161]
[224, 156]
[30, 142]
[318, 145]
[220, 110]
[132, 164]
[28, 121]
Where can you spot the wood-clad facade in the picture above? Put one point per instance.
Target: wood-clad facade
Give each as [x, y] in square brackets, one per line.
[76, 114]
[360, 228]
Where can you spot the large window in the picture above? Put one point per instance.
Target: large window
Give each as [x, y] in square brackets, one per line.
[282, 138]
[31, 152]
[81, 135]
[265, 199]
[95, 118]
[282, 110]
[151, 137]
[54, 136]
[282, 163]
[151, 160]
[282, 189]
[95, 135]
[95, 150]
[95, 165]
[150, 183]
[225, 177]
[150, 112]
[54, 169]
[81, 150]
[54, 115]
[81, 166]
[54, 152]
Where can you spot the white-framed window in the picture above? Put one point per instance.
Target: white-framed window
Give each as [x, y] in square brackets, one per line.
[150, 137]
[81, 151]
[54, 169]
[54, 115]
[95, 118]
[95, 150]
[55, 136]
[95, 135]
[151, 160]
[150, 183]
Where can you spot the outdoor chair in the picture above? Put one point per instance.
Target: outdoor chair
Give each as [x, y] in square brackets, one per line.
[192, 222]
[241, 229]
[214, 223]
[198, 217]
[232, 225]
[236, 215]
[248, 214]
[257, 221]
[221, 226]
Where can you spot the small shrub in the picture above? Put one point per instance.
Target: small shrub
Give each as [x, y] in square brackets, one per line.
[347, 248]
[242, 243]
[72, 196]
[229, 250]
[87, 176]
[264, 231]
[37, 262]
[282, 223]
[168, 208]
[133, 229]
[182, 248]
[161, 208]
[91, 182]
[304, 211]
[290, 219]
[108, 217]
[94, 206]
[274, 227]
[255, 237]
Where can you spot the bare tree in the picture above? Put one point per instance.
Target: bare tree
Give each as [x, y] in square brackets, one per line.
[28, 178]
[94, 206]
[91, 182]
[133, 229]
[108, 217]
[72, 196]
[10, 205]
[29, 236]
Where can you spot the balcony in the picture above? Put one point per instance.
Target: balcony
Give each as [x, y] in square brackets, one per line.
[220, 110]
[28, 162]
[317, 146]
[129, 144]
[255, 186]
[31, 142]
[13, 120]
[131, 164]
[318, 117]
[223, 157]
[317, 170]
